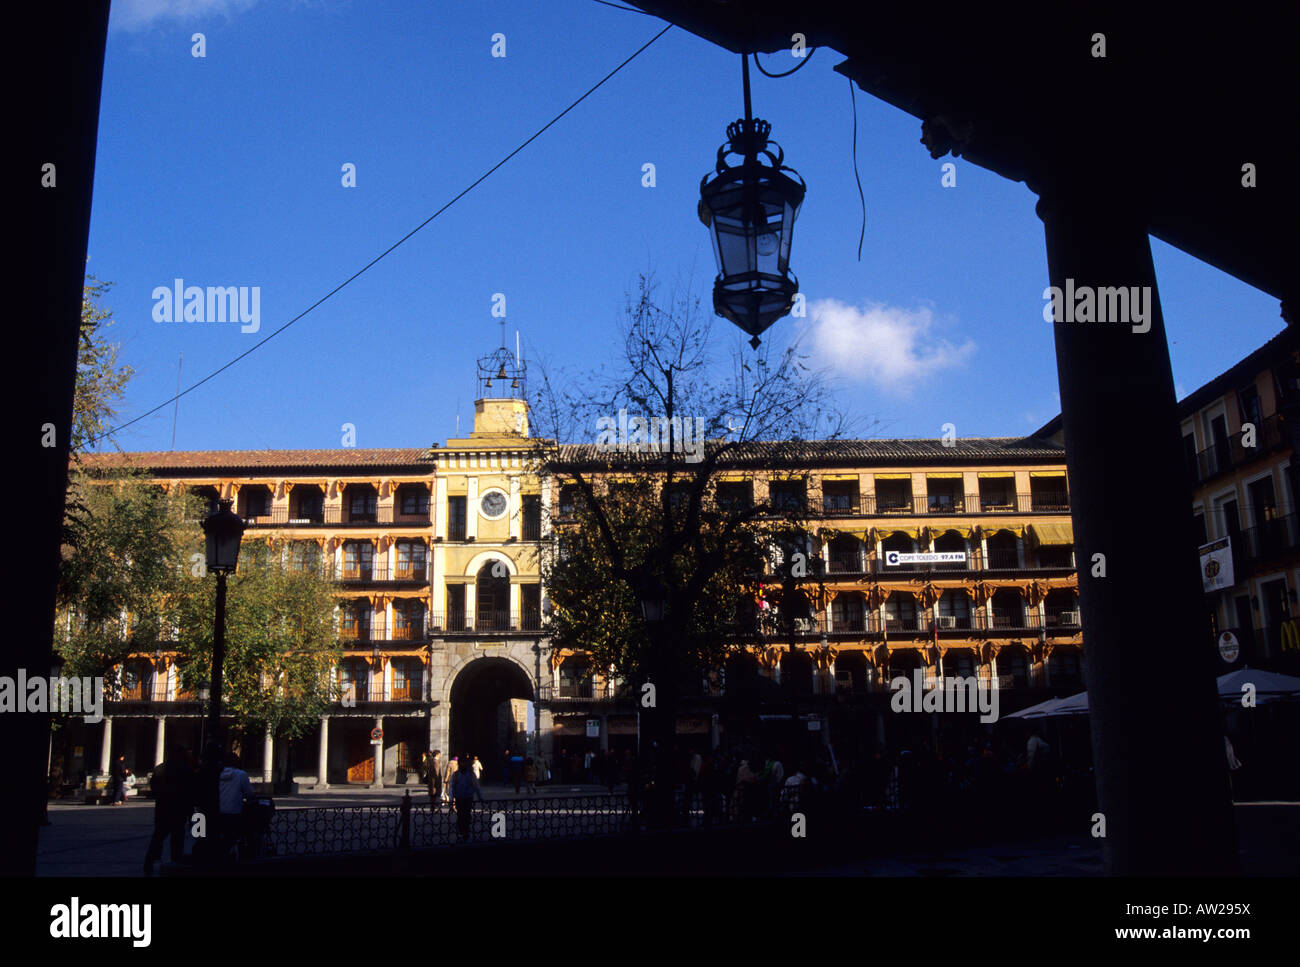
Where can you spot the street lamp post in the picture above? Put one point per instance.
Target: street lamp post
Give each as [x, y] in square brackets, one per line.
[652, 598]
[223, 531]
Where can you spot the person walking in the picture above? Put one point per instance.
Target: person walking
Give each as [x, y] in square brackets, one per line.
[477, 768]
[530, 775]
[517, 770]
[232, 789]
[172, 785]
[433, 776]
[464, 790]
[449, 776]
[117, 786]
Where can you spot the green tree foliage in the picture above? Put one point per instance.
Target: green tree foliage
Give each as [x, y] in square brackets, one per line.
[119, 578]
[101, 382]
[281, 640]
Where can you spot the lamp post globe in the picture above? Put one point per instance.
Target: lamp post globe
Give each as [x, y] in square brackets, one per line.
[223, 531]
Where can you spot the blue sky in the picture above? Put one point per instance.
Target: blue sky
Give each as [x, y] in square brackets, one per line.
[226, 170]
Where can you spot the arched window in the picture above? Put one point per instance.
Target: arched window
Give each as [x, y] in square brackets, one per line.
[1062, 608]
[1008, 609]
[951, 542]
[849, 612]
[575, 677]
[954, 610]
[1003, 551]
[254, 502]
[845, 555]
[900, 612]
[493, 594]
[307, 504]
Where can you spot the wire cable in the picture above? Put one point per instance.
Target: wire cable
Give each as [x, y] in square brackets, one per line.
[365, 268]
[853, 100]
[806, 57]
[618, 6]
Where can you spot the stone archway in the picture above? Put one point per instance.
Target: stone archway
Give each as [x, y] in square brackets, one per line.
[484, 720]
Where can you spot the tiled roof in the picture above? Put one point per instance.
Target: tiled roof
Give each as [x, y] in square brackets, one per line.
[857, 452]
[190, 460]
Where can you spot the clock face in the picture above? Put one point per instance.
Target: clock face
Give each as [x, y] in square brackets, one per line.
[493, 503]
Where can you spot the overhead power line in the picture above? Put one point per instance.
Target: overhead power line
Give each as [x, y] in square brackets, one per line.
[378, 258]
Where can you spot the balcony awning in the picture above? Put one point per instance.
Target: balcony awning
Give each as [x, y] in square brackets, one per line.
[943, 476]
[992, 527]
[997, 474]
[1052, 534]
[1047, 473]
[885, 531]
[840, 476]
[940, 527]
[893, 476]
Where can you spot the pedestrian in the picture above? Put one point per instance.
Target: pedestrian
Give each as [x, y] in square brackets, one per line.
[117, 786]
[611, 770]
[449, 776]
[530, 775]
[517, 770]
[477, 768]
[172, 785]
[464, 790]
[232, 789]
[586, 766]
[433, 775]
[1233, 764]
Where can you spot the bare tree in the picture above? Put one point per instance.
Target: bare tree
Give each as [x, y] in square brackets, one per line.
[655, 551]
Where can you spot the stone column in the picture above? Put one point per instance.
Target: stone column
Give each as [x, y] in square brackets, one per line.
[268, 756]
[106, 750]
[379, 757]
[160, 740]
[1139, 581]
[323, 760]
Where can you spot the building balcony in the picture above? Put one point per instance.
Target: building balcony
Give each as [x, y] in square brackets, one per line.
[937, 505]
[1229, 454]
[372, 691]
[458, 622]
[376, 630]
[1009, 621]
[380, 573]
[1267, 544]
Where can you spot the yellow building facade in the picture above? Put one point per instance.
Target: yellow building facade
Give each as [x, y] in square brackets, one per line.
[955, 559]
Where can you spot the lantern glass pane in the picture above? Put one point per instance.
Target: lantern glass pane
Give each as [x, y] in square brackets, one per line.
[735, 249]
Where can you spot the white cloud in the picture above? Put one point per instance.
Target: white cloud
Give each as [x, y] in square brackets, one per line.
[138, 14]
[890, 347]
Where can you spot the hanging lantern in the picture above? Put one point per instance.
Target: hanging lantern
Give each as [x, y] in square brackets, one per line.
[750, 208]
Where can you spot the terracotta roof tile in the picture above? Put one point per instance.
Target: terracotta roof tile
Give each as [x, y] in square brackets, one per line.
[262, 459]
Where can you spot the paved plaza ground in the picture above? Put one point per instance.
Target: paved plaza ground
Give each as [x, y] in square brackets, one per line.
[93, 841]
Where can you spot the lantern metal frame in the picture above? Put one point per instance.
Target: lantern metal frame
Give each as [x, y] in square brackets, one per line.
[758, 198]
